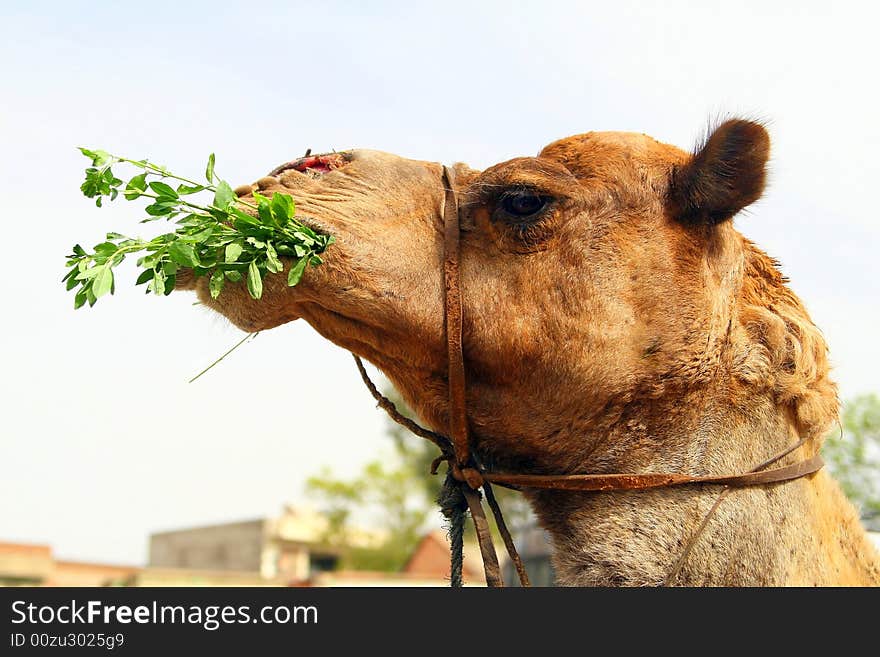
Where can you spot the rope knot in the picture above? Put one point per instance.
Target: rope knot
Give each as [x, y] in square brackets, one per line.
[470, 476]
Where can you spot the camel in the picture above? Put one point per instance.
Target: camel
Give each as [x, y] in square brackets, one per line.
[614, 321]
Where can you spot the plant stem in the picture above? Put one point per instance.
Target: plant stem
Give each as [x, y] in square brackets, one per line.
[237, 345]
[167, 174]
[155, 169]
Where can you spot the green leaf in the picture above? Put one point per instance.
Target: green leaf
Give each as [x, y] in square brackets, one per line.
[207, 257]
[106, 249]
[209, 170]
[242, 217]
[234, 276]
[193, 220]
[224, 195]
[98, 157]
[307, 231]
[273, 264]
[264, 212]
[135, 187]
[163, 189]
[233, 250]
[183, 254]
[254, 281]
[91, 187]
[157, 285]
[146, 275]
[215, 285]
[80, 299]
[110, 179]
[296, 272]
[306, 239]
[183, 190]
[283, 208]
[200, 237]
[102, 282]
[87, 274]
[160, 209]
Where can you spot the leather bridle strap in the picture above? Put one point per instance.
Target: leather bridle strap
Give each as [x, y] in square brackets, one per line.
[457, 420]
[458, 429]
[610, 482]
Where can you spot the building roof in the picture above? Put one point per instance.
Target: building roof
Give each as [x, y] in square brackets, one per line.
[25, 548]
[430, 559]
[34, 564]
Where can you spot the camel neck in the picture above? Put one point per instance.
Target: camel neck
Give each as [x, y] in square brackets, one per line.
[802, 532]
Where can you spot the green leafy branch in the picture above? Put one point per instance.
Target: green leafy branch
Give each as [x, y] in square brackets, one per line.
[220, 240]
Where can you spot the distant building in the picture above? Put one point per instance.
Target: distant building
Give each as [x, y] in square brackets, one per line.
[534, 549]
[291, 549]
[431, 559]
[23, 564]
[871, 521]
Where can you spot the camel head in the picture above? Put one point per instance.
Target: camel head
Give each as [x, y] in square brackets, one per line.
[602, 280]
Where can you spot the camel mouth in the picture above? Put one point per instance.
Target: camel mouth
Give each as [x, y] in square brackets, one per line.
[315, 165]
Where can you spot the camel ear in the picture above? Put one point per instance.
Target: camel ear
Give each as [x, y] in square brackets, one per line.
[726, 174]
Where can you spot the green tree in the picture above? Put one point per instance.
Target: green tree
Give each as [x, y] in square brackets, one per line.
[417, 456]
[398, 495]
[853, 454]
[389, 496]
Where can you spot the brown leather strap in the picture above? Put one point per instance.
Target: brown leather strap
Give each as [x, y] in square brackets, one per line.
[458, 429]
[505, 536]
[692, 541]
[607, 482]
[484, 538]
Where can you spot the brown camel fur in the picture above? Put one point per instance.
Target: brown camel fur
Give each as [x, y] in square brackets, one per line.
[614, 321]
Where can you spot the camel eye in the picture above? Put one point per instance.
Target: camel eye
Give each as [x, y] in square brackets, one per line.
[523, 204]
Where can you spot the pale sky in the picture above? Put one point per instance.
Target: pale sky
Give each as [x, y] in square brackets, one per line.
[103, 440]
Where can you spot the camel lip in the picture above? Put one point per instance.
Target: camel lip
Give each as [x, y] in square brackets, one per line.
[316, 225]
[314, 164]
